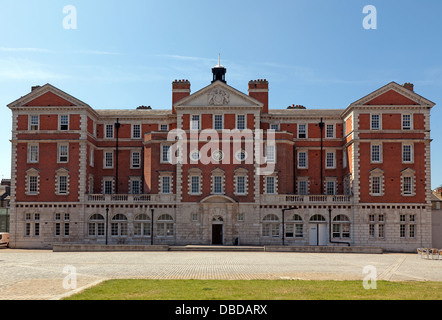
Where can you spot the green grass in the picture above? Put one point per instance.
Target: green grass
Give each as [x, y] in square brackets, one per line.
[258, 290]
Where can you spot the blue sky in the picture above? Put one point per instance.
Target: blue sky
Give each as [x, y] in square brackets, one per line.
[124, 54]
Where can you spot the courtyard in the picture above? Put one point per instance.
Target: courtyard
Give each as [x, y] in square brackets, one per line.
[48, 275]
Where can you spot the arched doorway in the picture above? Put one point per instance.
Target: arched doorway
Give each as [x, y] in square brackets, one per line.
[317, 230]
[217, 213]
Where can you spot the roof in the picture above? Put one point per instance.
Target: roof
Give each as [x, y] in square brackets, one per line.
[435, 197]
[131, 112]
[307, 112]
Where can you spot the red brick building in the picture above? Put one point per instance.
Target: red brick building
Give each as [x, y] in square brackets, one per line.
[356, 176]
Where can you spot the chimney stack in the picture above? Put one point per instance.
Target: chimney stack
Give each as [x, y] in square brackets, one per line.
[409, 86]
[180, 90]
[259, 90]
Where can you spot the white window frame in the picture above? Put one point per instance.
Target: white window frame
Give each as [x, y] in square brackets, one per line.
[270, 186]
[135, 189]
[34, 126]
[166, 184]
[136, 131]
[164, 154]
[327, 135]
[105, 164]
[305, 131]
[106, 126]
[61, 124]
[407, 189]
[218, 184]
[274, 126]
[327, 166]
[65, 158]
[241, 187]
[376, 181]
[195, 124]
[270, 153]
[65, 185]
[379, 121]
[305, 166]
[195, 181]
[107, 180]
[411, 160]
[164, 127]
[328, 187]
[372, 153]
[410, 125]
[31, 184]
[215, 121]
[238, 121]
[300, 189]
[91, 157]
[32, 153]
[133, 164]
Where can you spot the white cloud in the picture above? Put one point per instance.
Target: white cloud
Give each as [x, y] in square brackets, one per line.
[25, 69]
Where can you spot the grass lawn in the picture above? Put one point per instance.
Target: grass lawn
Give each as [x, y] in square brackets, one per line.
[144, 289]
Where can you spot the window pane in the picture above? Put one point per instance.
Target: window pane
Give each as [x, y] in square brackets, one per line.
[270, 185]
[240, 184]
[302, 159]
[302, 131]
[218, 122]
[136, 131]
[241, 122]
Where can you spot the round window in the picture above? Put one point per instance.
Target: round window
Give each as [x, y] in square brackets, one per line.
[218, 155]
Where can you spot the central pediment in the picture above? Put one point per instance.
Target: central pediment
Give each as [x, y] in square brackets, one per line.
[216, 95]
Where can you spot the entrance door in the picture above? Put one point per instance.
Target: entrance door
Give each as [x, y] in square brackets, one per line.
[318, 234]
[217, 234]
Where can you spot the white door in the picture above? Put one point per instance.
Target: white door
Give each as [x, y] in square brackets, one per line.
[318, 234]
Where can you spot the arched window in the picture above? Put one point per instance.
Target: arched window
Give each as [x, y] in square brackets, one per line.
[165, 226]
[317, 218]
[294, 227]
[341, 226]
[96, 225]
[142, 225]
[119, 225]
[270, 226]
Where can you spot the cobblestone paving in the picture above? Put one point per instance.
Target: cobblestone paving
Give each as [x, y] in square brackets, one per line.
[40, 274]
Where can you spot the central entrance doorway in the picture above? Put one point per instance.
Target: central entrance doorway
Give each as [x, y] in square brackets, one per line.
[217, 234]
[217, 230]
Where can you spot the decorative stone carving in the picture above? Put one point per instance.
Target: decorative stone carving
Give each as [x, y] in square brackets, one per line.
[218, 97]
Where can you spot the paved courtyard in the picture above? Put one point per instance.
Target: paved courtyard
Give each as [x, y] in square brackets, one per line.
[43, 274]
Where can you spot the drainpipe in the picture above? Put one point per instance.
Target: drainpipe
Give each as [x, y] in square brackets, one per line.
[330, 229]
[321, 126]
[294, 168]
[151, 228]
[117, 127]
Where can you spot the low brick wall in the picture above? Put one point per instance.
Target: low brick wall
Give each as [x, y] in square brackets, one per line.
[324, 249]
[98, 248]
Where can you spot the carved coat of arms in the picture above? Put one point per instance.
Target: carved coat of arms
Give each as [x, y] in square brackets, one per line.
[218, 97]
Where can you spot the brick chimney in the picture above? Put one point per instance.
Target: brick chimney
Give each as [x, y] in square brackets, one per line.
[259, 90]
[409, 86]
[180, 90]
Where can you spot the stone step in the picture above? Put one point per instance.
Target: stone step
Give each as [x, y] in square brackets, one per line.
[216, 248]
